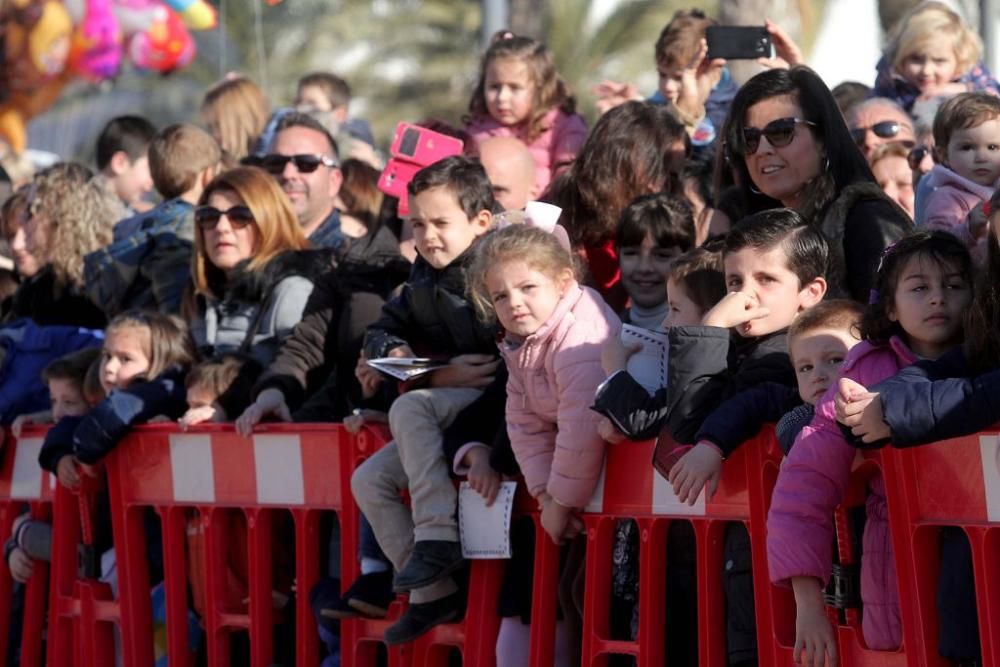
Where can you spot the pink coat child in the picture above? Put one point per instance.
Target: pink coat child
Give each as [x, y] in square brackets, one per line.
[553, 150]
[553, 375]
[813, 481]
[950, 201]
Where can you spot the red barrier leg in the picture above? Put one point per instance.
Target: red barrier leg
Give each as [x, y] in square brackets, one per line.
[307, 571]
[544, 598]
[8, 512]
[215, 525]
[710, 536]
[259, 538]
[652, 591]
[175, 575]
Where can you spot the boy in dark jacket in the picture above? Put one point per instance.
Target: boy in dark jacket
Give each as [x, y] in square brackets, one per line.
[774, 266]
[451, 205]
[149, 262]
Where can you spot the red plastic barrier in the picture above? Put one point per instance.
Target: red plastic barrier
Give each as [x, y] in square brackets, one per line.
[23, 483]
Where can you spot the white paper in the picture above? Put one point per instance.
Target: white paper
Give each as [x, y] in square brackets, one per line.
[648, 366]
[485, 530]
[404, 368]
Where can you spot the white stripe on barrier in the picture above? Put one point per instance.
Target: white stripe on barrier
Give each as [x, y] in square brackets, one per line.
[278, 460]
[596, 504]
[193, 472]
[665, 500]
[26, 479]
[990, 447]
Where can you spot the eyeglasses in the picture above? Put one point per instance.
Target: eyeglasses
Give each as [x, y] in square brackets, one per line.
[274, 163]
[916, 156]
[207, 217]
[886, 129]
[779, 133]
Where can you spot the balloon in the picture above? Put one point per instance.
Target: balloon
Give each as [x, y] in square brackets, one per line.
[165, 46]
[96, 53]
[197, 14]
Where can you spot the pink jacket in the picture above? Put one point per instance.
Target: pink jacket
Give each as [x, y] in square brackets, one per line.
[951, 199]
[553, 375]
[813, 481]
[553, 150]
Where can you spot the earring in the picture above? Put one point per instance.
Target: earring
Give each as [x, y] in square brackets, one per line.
[755, 190]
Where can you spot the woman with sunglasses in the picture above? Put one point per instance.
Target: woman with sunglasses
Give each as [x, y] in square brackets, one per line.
[251, 267]
[787, 144]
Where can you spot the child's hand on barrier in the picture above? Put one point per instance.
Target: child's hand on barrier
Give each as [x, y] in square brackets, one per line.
[861, 411]
[199, 415]
[736, 309]
[609, 431]
[467, 370]
[67, 473]
[815, 643]
[555, 519]
[701, 465]
[483, 479]
[355, 421]
[21, 566]
[269, 402]
[32, 418]
[615, 354]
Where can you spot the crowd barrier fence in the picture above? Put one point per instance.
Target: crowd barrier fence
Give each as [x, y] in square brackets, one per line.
[277, 486]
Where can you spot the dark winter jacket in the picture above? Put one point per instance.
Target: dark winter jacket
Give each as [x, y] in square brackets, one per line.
[934, 400]
[318, 358]
[740, 417]
[484, 421]
[707, 366]
[150, 267]
[49, 302]
[858, 225]
[25, 350]
[259, 309]
[432, 316]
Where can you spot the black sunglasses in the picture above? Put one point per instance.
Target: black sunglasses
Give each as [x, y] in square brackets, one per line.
[886, 129]
[274, 164]
[916, 156]
[207, 217]
[779, 133]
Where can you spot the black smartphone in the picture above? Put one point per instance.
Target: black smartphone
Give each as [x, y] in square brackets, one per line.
[738, 42]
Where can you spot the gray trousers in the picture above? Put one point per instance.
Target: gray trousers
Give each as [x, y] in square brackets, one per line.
[414, 461]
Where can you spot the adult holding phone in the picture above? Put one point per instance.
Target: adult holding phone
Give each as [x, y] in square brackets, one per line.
[252, 269]
[788, 145]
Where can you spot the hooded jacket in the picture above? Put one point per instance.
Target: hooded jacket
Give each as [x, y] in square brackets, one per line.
[951, 199]
[813, 481]
[259, 309]
[552, 377]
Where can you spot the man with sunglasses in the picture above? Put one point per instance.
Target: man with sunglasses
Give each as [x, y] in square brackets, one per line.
[880, 121]
[303, 158]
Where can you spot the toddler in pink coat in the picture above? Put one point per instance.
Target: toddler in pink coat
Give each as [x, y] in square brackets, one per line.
[521, 95]
[922, 288]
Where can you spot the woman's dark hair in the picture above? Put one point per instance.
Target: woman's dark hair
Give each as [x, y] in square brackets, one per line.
[626, 155]
[665, 217]
[982, 328]
[938, 246]
[842, 162]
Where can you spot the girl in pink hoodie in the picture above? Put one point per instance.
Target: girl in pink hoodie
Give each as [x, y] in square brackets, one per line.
[922, 288]
[521, 95]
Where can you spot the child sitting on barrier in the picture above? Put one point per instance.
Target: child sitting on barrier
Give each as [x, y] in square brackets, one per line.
[774, 267]
[818, 341]
[142, 367]
[218, 390]
[922, 290]
[553, 333]
[452, 205]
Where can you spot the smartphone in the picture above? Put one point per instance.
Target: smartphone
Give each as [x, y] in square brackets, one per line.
[738, 42]
[422, 146]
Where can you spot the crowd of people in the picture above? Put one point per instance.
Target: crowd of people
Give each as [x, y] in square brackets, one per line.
[826, 260]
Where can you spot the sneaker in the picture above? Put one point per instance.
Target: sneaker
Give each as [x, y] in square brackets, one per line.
[420, 618]
[370, 594]
[430, 561]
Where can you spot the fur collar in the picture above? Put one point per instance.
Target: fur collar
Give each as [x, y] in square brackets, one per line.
[254, 286]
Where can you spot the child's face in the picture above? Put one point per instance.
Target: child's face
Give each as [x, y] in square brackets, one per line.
[930, 66]
[524, 298]
[124, 357]
[975, 153]
[441, 230]
[817, 357]
[929, 302]
[669, 82]
[683, 312]
[509, 90]
[132, 180]
[644, 271]
[67, 399]
[312, 97]
[765, 276]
